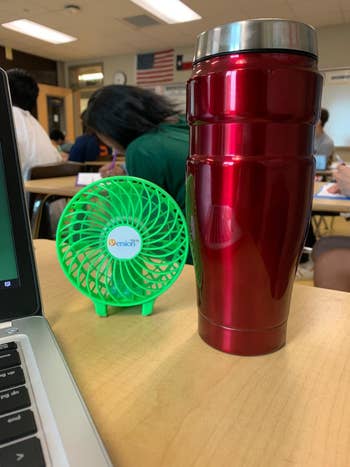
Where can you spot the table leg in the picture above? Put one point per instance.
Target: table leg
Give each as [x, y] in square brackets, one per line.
[37, 213]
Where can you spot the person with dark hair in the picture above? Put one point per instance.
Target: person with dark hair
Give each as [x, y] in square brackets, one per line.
[88, 147]
[58, 139]
[324, 145]
[34, 145]
[323, 150]
[148, 129]
[57, 136]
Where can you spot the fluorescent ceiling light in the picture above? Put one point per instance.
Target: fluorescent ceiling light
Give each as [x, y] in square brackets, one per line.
[170, 11]
[38, 31]
[90, 76]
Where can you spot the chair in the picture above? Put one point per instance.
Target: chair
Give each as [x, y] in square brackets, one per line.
[319, 219]
[43, 219]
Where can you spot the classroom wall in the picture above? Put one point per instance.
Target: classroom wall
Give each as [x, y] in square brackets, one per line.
[110, 64]
[127, 64]
[333, 53]
[333, 44]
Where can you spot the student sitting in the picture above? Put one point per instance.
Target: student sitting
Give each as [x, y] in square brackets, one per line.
[58, 139]
[34, 145]
[88, 147]
[147, 128]
[331, 255]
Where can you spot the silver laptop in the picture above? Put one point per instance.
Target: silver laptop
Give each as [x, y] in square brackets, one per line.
[43, 419]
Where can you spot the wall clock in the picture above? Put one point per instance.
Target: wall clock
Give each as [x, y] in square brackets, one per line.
[119, 77]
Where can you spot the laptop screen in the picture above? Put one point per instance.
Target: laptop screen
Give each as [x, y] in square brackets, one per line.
[321, 162]
[19, 292]
[8, 264]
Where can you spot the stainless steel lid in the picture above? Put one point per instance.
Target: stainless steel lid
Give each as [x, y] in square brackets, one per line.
[256, 34]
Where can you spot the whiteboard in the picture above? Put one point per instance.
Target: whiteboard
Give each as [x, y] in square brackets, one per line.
[336, 99]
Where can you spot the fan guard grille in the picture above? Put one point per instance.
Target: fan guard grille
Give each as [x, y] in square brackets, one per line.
[84, 232]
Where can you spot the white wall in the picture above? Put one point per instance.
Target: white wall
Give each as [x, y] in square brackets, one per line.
[127, 64]
[334, 52]
[333, 42]
[334, 46]
[111, 64]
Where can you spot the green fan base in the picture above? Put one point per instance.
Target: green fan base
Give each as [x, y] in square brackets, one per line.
[102, 309]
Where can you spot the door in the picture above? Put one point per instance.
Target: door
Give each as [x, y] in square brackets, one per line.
[55, 110]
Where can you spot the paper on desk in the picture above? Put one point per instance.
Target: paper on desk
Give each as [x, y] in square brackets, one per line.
[84, 178]
[324, 193]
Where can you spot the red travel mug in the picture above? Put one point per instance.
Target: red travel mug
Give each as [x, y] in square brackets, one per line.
[252, 103]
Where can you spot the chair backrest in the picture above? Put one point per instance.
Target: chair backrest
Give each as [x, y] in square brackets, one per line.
[53, 206]
[60, 169]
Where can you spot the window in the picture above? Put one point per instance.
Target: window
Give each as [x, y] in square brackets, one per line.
[86, 76]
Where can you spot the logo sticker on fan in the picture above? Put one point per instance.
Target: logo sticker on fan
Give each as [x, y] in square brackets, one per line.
[124, 242]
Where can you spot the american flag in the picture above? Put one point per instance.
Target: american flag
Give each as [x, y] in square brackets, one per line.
[155, 68]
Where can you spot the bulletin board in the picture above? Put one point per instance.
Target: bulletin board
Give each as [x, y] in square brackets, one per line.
[336, 99]
[176, 93]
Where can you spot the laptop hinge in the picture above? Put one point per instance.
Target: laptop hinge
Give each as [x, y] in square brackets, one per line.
[7, 324]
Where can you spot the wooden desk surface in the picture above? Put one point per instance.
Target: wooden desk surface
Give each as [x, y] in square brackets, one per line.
[102, 163]
[330, 205]
[161, 397]
[97, 163]
[324, 172]
[64, 186]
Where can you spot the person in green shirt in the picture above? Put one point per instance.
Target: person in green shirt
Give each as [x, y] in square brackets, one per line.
[150, 132]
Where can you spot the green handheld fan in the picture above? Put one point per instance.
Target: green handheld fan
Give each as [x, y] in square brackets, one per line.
[122, 241]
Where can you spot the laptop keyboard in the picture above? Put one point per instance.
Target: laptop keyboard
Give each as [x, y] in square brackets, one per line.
[18, 428]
